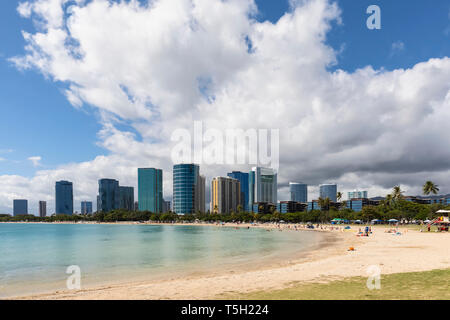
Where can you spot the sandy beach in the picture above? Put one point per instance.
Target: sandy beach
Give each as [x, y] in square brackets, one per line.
[331, 260]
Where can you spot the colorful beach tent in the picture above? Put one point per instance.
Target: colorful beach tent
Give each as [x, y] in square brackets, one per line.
[338, 220]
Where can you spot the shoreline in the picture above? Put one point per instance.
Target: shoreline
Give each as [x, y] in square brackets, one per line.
[262, 262]
[326, 261]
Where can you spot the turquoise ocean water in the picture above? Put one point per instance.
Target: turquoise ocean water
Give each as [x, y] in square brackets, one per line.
[34, 257]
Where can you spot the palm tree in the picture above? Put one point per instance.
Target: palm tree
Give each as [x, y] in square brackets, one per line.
[430, 187]
[339, 196]
[397, 193]
[388, 202]
[324, 203]
[272, 210]
[321, 202]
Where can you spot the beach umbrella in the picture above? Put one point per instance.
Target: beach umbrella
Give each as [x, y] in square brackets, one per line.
[393, 220]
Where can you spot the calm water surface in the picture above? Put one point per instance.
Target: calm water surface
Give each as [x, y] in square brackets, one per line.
[34, 257]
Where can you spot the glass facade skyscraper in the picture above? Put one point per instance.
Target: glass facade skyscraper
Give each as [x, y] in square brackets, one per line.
[299, 192]
[243, 179]
[126, 198]
[150, 190]
[64, 197]
[328, 190]
[188, 189]
[86, 207]
[108, 195]
[262, 185]
[20, 207]
[166, 206]
[42, 208]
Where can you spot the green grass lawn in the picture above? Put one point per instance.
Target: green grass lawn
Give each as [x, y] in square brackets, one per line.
[406, 286]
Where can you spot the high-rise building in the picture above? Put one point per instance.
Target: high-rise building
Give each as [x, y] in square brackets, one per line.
[299, 192]
[200, 194]
[166, 206]
[126, 198]
[150, 190]
[243, 179]
[328, 190]
[86, 207]
[108, 195]
[42, 209]
[20, 207]
[357, 195]
[64, 197]
[136, 206]
[188, 189]
[262, 186]
[225, 195]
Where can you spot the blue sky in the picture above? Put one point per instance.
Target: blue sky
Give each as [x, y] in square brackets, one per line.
[38, 120]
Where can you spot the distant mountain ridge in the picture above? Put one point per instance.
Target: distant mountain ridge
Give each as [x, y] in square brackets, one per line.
[419, 197]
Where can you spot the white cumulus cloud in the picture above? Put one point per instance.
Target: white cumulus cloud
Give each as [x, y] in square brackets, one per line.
[157, 67]
[35, 160]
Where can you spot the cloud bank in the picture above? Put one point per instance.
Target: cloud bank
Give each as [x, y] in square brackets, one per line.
[155, 67]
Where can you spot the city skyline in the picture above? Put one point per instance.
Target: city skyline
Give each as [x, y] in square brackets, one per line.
[344, 108]
[115, 196]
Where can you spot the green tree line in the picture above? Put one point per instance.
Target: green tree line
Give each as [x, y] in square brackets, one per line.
[399, 209]
[394, 206]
